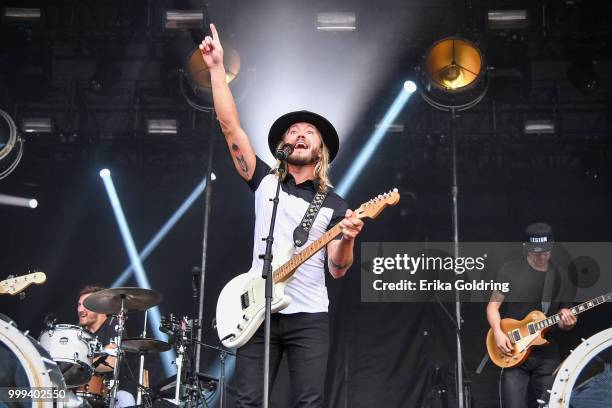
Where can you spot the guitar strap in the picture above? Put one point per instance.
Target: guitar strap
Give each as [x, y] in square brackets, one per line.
[300, 233]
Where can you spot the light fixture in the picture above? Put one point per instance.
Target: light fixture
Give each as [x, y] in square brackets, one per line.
[337, 21]
[36, 125]
[507, 19]
[539, 127]
[162, 127]
[183, 19]
[11, 145]
[198, 74]
[453, 75]
[21, 15]
[6, 199]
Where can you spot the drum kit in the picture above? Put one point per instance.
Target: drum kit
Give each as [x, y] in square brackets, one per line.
[69, 358]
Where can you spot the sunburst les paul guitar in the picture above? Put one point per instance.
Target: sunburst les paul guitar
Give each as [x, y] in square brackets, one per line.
[529, 332]
[241, 304]
[18, 284]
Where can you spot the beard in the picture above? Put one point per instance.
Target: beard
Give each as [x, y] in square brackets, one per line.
[311, 158]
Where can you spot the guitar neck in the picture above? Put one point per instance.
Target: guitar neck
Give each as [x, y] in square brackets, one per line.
[287, 270]
[576, 310]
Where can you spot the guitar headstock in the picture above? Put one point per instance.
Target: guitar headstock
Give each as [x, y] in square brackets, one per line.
[16, 285]
[372, 208]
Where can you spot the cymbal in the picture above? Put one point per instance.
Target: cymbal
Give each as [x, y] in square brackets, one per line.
[144, 346]
[108, 301]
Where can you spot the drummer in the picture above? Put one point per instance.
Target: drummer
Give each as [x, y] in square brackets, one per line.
[98, 324]
[103, 327]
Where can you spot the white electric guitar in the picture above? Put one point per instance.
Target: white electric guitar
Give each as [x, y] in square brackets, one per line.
[241, 304]
[18, 284]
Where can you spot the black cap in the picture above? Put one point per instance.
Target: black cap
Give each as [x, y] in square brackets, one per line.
[327, 130]
[539, 237]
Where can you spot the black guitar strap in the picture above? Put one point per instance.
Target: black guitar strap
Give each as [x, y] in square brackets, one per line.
[300, 233]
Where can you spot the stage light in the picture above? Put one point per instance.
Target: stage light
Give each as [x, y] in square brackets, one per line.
[507, 19]
[198, 74]
[141, 276]
[337, 21]
[453, 75]
[183, 19]
[410, 86]
[163, 231]
[11, 145]
[374, 140]
[6, 199]
[162, 127]
[36, 125]
[104, 173]
[539, 126]
[21, 15]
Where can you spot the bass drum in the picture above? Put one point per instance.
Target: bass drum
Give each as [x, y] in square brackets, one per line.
[25, 363]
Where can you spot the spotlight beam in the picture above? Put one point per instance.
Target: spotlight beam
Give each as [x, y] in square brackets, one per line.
[141, 276]
[163, 231]
[18, 201]
[377, 136]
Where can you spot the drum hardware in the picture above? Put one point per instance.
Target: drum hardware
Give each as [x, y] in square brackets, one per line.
[119, 302]
[182, 333]
[121, 317]
[223, 353]
[178, 330]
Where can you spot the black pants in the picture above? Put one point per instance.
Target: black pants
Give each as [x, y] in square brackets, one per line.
[305, 339]
[535, 372]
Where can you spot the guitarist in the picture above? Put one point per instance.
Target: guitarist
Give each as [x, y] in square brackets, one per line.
[535, 284]
[302, 329]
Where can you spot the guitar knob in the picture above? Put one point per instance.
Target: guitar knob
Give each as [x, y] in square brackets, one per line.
[239, 327]
[246, 318]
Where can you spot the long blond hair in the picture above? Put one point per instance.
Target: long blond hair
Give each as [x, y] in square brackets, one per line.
[321, 170]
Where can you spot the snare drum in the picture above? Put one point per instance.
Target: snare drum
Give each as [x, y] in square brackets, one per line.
[72, 348]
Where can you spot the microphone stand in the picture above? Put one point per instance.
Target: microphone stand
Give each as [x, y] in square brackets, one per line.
[267, 275]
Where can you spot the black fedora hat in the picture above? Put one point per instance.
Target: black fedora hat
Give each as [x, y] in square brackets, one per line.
[327, 130]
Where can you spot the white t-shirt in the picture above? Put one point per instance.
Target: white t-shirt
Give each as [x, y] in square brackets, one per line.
[307, 288]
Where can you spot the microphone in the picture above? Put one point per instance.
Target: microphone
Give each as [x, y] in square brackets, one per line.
[49, 320]
[195, 281]
[284, 151]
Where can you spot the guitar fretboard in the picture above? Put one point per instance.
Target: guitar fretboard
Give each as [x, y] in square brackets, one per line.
[286, 270]
[576, 310]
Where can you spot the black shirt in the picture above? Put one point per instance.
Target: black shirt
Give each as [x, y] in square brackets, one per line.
[526, 292]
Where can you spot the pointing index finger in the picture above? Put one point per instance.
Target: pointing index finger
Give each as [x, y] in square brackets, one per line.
[214, 32]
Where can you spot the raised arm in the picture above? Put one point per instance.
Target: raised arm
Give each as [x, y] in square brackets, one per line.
[237, 140]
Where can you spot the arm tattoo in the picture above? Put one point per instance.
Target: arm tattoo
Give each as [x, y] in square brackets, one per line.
[240, 158]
